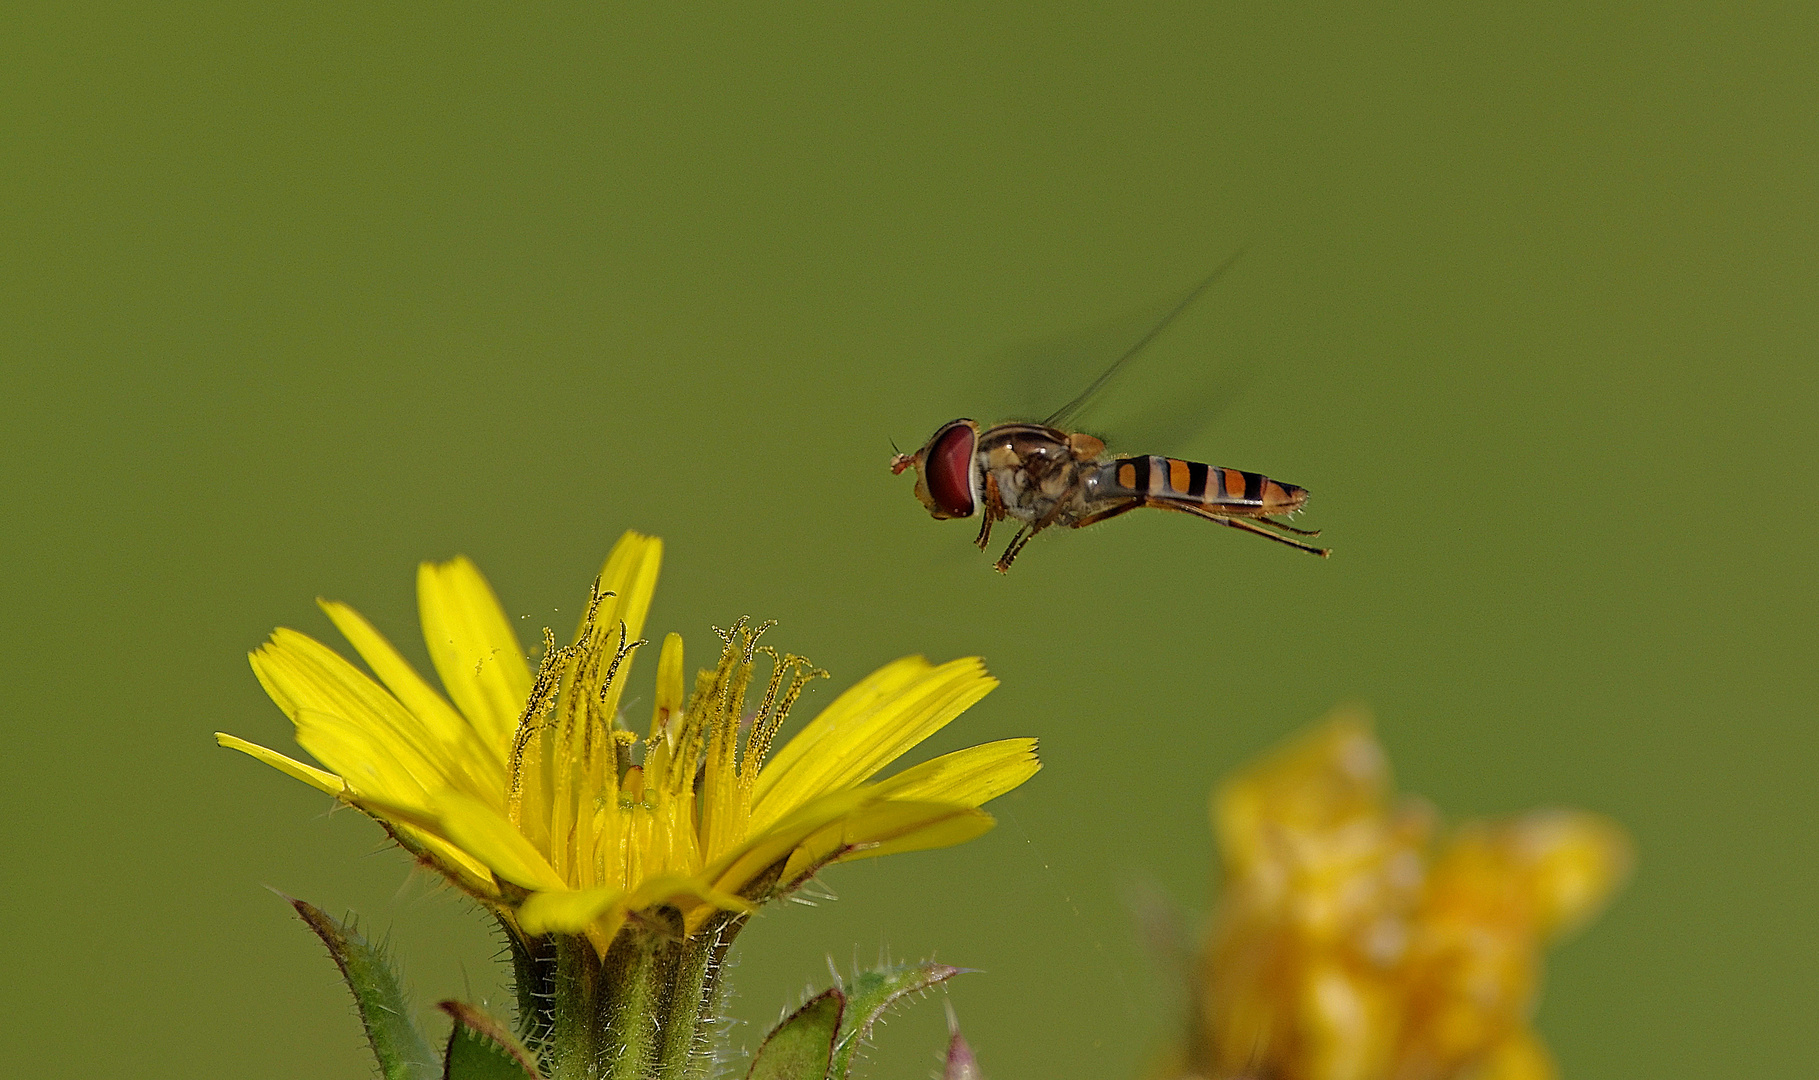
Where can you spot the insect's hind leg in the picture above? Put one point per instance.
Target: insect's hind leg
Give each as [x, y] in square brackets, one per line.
[1286, 527]
[1107, 515]
[1245, 523]
[1252, 527]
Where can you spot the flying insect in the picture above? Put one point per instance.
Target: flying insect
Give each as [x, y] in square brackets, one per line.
[1045, 475]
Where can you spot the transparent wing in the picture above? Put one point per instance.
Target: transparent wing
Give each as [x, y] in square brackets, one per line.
[1060, 417]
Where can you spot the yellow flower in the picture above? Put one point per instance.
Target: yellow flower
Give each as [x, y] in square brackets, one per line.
[1350, 944]
[526, 790]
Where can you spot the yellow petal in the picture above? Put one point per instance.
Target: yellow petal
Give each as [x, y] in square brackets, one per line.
[861, 699]
[309, 774]
[566, 911]
[411, 689]
[732, 872]
[669, 686]
[969, 777]
[454, 862]
[484, 833]
[865, 729]
[473, 647]
[663, 890]
[945, 832]
[630, 574]
[368, 764]
[463, 869]
[1345, 1016]
[1321, 781]
[885, 828]
[301, 674]
[1575, 862]
[1519, 1056]
[570, 912]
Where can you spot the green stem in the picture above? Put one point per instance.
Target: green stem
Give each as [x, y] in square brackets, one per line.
[695, 1004]
[639, 966]
[573, 1050]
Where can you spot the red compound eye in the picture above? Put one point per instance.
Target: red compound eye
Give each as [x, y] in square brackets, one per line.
[949, 470]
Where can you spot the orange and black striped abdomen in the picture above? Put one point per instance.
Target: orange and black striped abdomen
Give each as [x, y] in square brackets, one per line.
[1173, 480]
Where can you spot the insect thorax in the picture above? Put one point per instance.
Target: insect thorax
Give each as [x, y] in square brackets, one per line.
[1034, 469]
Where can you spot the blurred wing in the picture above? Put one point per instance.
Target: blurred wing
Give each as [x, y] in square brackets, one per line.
[1060, 417]
[1176, 424]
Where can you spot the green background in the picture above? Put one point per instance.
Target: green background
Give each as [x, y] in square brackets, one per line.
[295, 296]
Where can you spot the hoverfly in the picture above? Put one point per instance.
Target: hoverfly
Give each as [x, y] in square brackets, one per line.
[1044, 475]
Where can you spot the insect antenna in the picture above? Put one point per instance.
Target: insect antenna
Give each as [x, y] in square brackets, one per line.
[1059, 417]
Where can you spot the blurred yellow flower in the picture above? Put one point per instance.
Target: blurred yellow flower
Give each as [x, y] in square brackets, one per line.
[1349, 944]
[524, 789]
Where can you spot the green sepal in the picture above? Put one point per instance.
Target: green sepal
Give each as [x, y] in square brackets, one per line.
[400, 1048]
[480, 1048]
[802, 1046]
[871, 994]
[533, 981]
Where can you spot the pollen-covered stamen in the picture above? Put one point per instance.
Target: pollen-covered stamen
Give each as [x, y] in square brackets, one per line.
[591, 646]
[544, 688]
[591, 754]
[732, 689]
[690, 737]
[570, 771]
[612, 671]
[603, 707]
[716, 714]
[622, 741]
[775, 710]
[720, 723]
[733, 676]
[757, 721]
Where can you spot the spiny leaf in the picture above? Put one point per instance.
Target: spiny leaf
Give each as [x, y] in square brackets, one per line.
[402, 1052]
[801, 1047]
[870, 995]
[480, 1048]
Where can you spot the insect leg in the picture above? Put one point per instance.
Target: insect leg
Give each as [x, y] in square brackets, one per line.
[1107, 515]
[1251, 526]
[1285, 526]
[991, 513]
[1238, 522]
[1003, 564]
[1023, 536]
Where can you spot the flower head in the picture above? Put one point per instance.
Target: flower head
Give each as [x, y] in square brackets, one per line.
[1351, 944]
[525, 788]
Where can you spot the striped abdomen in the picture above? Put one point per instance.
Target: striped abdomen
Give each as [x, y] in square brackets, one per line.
[1232, 491]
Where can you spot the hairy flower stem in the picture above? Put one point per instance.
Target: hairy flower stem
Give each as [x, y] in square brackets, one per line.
[573, 1049]
[687, 1050]
[638, 965]
[645, 1012]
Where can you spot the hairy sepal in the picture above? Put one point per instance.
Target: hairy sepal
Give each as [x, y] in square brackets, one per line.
[400, 1048]
[802, 1046]
[480, 1048]
[871, 994]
